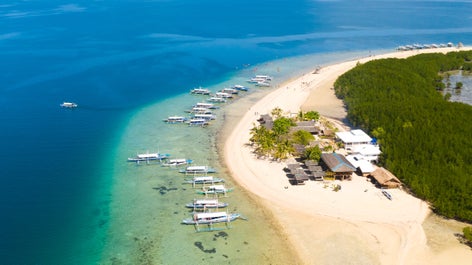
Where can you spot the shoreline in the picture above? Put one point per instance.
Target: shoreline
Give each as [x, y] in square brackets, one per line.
[320, 223]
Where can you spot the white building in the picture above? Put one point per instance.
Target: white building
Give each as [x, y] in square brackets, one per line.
[353, 138]
[368, 152]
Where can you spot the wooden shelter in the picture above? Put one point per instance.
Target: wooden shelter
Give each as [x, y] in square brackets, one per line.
[339, 165]
[385, 178]
[266, 121]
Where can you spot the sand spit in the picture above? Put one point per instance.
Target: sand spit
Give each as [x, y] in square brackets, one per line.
[356, 225]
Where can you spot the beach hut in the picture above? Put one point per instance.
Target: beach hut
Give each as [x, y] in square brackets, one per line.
[353, 138]
[385, 178]
[339, 165]
[266, 121]
[309, 126]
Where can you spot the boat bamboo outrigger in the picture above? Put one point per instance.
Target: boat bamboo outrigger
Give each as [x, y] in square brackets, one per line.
[204, 180]
[148, 157]
[210, 219]
[177, 162]
[215, 190]
[197, 170]
[205, 204]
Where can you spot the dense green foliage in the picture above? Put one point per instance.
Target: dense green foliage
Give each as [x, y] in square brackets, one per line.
[312, 153]
[425, 139]
[278, 142]
[467, 233]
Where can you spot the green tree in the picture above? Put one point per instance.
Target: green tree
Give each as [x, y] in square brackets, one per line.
[467, 233]
[312, 153]
[302, 137]
[459, 85]
[311, 115]
[282, 126]
[276, 112]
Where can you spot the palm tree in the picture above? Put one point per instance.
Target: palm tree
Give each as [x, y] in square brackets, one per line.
[276, 112]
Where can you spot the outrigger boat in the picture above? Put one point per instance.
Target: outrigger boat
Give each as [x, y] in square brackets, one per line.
[69, 105]
[198, 122]
[215, 189]
[223, 95]
[240, 88]
[177, 162]
[233, 91]
[206, 204]
[148, 157]
[216, 100]
[205, 105]
[211, 218]
[176, 119]
[197, 170]
[204, 180]
[199, 110]
[200, 91]
[387, 194]
[207, 117]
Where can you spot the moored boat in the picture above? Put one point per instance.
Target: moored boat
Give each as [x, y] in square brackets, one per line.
[230, 91]
[217, 100]
[177, 162]
[214, 189]
[200, 91]
[195, 170]
[204, 180]
[211, 218]
[206, 117]
[69, 105]
[197, 122]
[240, 88]
[206, 204]
[205, 105]
[175, 119]
[263, 84]
[223, 95]
[148, 157]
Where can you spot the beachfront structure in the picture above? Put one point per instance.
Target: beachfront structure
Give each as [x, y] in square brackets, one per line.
[266, 121]
[309, 126]
[368, 152]
[363, 166]
[339, 165]
[353, 138]
[385, 179]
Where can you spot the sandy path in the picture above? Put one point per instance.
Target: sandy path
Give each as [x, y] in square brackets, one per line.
[356, 225]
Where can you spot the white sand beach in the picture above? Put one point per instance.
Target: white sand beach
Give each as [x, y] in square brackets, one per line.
[356, 225]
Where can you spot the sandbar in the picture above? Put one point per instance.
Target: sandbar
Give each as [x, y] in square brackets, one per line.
[356, 225]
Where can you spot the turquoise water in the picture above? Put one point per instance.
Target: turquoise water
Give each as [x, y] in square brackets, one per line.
[67, 194]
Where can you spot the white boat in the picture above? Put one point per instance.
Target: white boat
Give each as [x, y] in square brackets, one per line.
[197, 122]
[217, 100]
[205, 105]
[260, 78]
[175, 119]
[206, 117]
[214, 189]
[240, 88]
[177, 162]
[200, 91]
[196, 170]
[206, 204]
[204, 180]
[68, 105]
[200, 110]
[148, 157]
[230, 91]
[211, 218]
[263, 84]
[223, 95]
[387, 194]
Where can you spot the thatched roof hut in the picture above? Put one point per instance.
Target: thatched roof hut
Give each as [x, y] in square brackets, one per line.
[385, 178]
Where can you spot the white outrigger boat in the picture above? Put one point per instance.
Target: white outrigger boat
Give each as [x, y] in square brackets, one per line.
[223, 95]
[206, 204]
[387, 194]
[198, 122]
[263, 84]
[205, 105]
[69, 105]
[147, 157]
[175, 119]
[215, 189]
[207, 117]
[177, 162]
[211, 218]
[204, 180]
[197, 170]
[228, 90]
[240, 88]
[260, 78]
[200, 91]
[216, 100]
[200, 110]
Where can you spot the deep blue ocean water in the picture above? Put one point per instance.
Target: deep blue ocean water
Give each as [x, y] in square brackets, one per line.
[115, 57]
